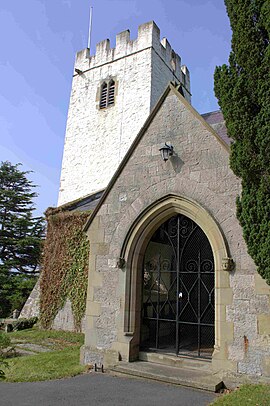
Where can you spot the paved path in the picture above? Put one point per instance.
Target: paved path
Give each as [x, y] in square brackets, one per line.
[100, 389]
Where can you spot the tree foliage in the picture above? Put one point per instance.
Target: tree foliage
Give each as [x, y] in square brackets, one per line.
[242, 89]
[20, 238]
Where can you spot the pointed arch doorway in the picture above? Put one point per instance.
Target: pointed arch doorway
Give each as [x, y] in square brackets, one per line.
[178, 290]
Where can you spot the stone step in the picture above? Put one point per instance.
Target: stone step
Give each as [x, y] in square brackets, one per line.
[199, 379]
[174, 361]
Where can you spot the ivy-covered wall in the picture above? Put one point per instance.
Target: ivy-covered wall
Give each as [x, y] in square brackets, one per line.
[65, 266]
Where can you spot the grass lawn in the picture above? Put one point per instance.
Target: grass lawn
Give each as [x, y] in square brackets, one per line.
[44, 366]
[61, 359]
[50, 338]
[247, 395]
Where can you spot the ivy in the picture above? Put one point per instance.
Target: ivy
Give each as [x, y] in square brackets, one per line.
[65, 266]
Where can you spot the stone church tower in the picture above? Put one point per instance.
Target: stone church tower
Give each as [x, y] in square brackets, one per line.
[113, 93]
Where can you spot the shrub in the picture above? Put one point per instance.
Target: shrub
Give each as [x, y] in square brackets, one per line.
[2, 363]
[4, 344]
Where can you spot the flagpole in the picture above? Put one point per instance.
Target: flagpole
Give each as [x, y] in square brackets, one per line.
[90, 30]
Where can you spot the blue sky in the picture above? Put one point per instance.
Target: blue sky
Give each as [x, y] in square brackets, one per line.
[39, 39]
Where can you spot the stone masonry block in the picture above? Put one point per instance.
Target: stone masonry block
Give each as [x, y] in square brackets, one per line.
[96, 279]
[264, 323]
[95, 224]
[97, 236]
[94, 308]
[220, 313]
[223, 366]
[261, 287]
[266, 366]
[225, 296]
[222, 279]
[227, 331]
[92, 261]
[101, 249]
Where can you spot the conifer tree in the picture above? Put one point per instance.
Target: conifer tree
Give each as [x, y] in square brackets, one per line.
[243, 91]
[20, 238]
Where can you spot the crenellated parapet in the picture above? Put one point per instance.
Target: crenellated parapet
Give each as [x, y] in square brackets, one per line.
[148, 37]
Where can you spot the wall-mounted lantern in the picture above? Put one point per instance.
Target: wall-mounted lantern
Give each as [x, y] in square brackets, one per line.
[166, 151]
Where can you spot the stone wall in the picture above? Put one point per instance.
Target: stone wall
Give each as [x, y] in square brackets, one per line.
[97, 139]
[31, 306]
[250, 314]
[64, 319]
[199, 173]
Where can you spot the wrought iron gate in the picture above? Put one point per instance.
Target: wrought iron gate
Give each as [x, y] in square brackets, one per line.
[178, 290]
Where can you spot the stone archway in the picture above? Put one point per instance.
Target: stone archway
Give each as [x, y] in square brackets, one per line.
[133, 251]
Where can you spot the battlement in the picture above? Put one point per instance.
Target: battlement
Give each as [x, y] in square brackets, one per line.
[148, 37]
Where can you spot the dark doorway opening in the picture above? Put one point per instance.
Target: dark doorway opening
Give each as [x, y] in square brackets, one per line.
[178, 309]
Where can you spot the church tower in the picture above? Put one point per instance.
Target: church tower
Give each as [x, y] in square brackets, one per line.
[113, 93]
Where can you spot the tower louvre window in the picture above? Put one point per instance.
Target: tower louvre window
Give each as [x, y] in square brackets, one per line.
[111, 93]
[103, 97]
[107, 94]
